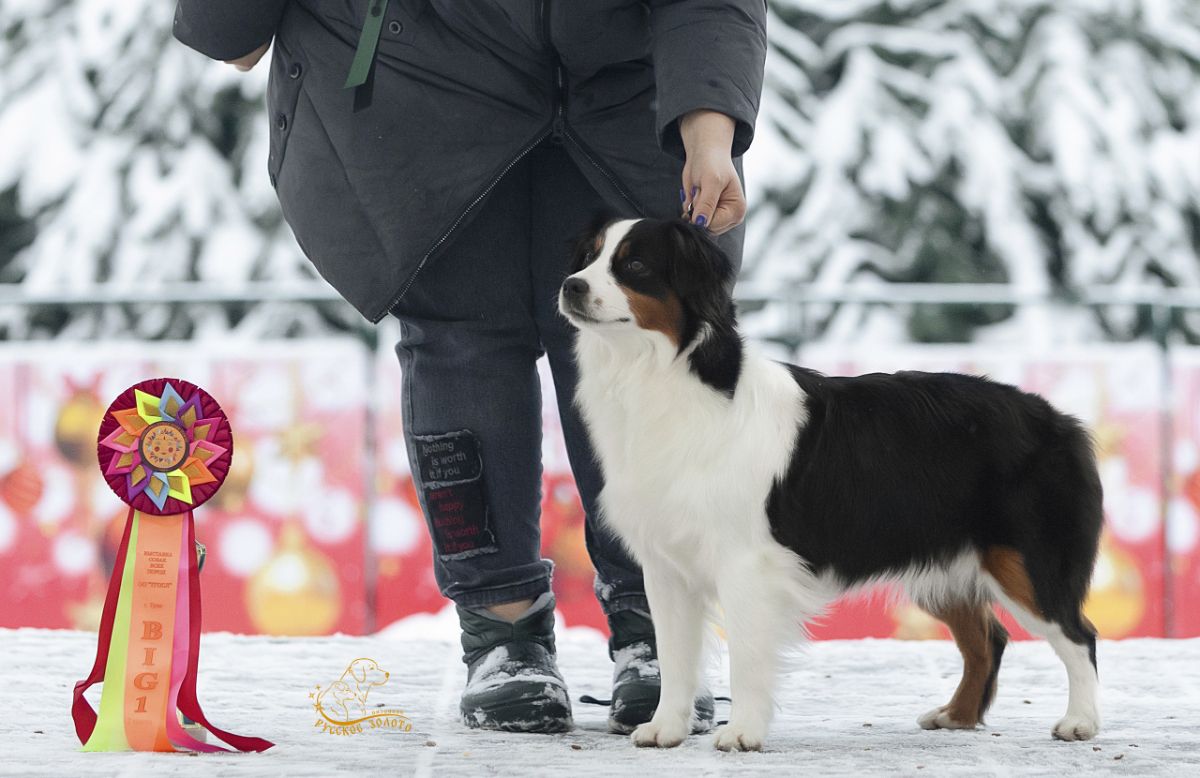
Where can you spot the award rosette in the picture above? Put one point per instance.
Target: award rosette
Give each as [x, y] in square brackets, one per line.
[164, 448]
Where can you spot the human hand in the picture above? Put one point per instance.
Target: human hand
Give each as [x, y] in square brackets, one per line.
[712, 192]
[248, 61]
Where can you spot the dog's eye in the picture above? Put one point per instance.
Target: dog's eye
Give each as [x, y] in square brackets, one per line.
[635, 266]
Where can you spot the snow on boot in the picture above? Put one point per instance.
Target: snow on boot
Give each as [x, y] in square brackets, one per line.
[513, 683]
[636, 677]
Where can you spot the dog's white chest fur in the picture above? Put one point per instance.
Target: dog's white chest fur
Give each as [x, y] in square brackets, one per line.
[687, 470]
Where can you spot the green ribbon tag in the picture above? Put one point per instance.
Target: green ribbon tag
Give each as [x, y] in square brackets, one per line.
[109, 734]
[364, 55]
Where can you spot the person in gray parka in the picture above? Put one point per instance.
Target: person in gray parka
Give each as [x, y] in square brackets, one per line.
[434, 158]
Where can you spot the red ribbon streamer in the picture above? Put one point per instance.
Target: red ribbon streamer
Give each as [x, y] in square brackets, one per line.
[188, 703]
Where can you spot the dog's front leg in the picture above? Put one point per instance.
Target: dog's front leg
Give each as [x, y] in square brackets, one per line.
[750, 602]
[678, 615]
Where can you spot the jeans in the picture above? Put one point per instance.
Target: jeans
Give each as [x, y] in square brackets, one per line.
[473, 325]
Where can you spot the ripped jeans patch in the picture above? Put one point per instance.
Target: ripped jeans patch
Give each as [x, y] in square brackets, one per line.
[451, 479]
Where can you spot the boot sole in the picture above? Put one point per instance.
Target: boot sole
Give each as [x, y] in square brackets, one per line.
[516, 717]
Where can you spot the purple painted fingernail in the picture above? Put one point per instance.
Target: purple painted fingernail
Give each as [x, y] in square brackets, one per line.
[682, 196]
[701, 220]
[694, 190]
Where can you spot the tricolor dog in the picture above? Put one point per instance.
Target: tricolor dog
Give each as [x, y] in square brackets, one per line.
[770, 490]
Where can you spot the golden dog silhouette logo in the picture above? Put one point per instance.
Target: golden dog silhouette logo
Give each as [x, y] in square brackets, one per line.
[344, 708]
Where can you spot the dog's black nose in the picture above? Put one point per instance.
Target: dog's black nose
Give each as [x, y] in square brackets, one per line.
[575, 287]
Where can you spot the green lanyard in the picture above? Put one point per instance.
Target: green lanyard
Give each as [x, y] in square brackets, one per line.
[364, 55]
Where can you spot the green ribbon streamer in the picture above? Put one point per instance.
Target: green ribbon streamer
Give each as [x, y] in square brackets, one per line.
[109, 734]
[364, 55]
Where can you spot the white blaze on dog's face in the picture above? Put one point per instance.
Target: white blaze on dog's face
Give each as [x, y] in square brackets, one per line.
[625, 280]
[591, 297]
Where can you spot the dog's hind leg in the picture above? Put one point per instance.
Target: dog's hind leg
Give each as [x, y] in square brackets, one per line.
[981, 639]
[1069, 633]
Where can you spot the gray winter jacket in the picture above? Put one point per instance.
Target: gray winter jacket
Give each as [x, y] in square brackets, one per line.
[460, 91]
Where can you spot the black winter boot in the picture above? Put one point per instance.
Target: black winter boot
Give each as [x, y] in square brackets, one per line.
[513, 683]
[636, 678]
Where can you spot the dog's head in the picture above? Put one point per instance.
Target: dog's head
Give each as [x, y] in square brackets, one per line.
[657, 279]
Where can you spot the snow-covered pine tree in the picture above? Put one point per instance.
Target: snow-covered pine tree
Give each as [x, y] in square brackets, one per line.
[1048, 144]
[127, 160]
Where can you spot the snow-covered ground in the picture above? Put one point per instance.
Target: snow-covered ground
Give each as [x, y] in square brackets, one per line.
[848, 709]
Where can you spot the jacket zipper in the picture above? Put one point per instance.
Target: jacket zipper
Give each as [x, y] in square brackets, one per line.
[470, 207]
[604, 172]
[557, 131]
[560, 103]
[559, 122]
[559, 128]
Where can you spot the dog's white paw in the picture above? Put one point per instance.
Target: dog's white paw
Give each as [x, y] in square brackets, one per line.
[660, 734]
[939, 718]
[1072, 727]
[739, 737]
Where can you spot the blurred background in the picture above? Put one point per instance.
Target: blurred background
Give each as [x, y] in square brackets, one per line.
[1008, 187]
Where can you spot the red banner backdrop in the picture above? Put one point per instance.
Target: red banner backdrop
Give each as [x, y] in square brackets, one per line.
[1183, 512]
[320, 451]
[285, 535]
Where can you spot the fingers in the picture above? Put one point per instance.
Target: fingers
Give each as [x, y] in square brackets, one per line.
[704, 202]
[730, 210]
[714, 201]
[724, 220]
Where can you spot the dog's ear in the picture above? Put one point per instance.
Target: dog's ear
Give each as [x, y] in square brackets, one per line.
[701, 272]
[703, 277]
[583, 248]
[356, 668]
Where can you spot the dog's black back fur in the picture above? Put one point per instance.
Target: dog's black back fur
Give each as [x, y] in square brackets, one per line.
[914, 468]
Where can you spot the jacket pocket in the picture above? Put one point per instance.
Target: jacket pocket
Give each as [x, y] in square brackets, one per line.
[288, 70]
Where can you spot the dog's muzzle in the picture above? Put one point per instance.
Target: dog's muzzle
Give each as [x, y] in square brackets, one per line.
[574, 296]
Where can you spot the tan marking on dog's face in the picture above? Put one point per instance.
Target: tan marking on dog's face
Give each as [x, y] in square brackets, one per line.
[1007, 566]
[651, 313]
[970, 625]
[657, 314]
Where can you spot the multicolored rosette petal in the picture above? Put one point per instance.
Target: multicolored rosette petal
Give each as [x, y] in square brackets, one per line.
[165, 446]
